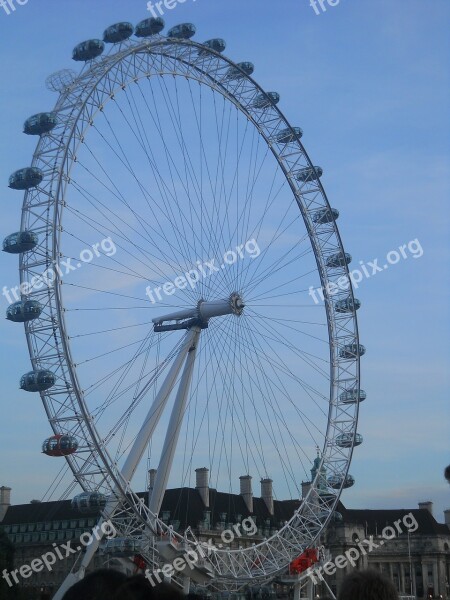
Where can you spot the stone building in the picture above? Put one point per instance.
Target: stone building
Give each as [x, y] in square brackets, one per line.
[417, 561]
[407, 545]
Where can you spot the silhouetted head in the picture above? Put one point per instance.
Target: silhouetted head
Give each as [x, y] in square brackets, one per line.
[139, 588]
[367, 585]
[447, 473]
[98, 585]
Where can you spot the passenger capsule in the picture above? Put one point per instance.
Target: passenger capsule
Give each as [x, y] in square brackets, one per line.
[338, 260]
[325, 215]
[88, 502]
[347, 305]
[184, 31]
[60, 445]
[61, 80]
[217, 44]
[289, 135]
[266, 100]
[309, 174]
[337, 517]
[26, 178]
[88, 50]
[40, 124]
[118, 32]
[352, 351]
[37, 381]
[240, 70]
[149, 27]
[20, 241]
[335, 481]
[351, 396]
[23, 311]
[123, 546]
[345, 440]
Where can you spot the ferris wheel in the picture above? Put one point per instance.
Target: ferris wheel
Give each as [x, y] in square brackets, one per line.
[186, 297]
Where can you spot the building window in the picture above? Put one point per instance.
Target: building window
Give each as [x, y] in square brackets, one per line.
[23, 528]
[43, 536]
[73, 524]
[39, 526]
[14, 529]
[65, 524]
[48, 525]
[56, 524]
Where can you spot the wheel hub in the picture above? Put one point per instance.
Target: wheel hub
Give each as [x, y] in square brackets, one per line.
[201, 314]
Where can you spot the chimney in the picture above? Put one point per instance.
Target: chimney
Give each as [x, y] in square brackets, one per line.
[447, 517]
[246, 491]
[5, 500]
[428, 505]
[267, 494]
[202, 484]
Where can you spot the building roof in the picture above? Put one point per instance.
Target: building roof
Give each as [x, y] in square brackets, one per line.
[375, 520]
[184, 504]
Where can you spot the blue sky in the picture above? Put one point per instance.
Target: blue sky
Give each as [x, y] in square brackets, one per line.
[369, 84]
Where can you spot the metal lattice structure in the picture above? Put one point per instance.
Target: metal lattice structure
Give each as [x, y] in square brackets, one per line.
[83, 101]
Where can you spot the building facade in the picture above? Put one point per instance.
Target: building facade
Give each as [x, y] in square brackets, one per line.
[416, 557]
